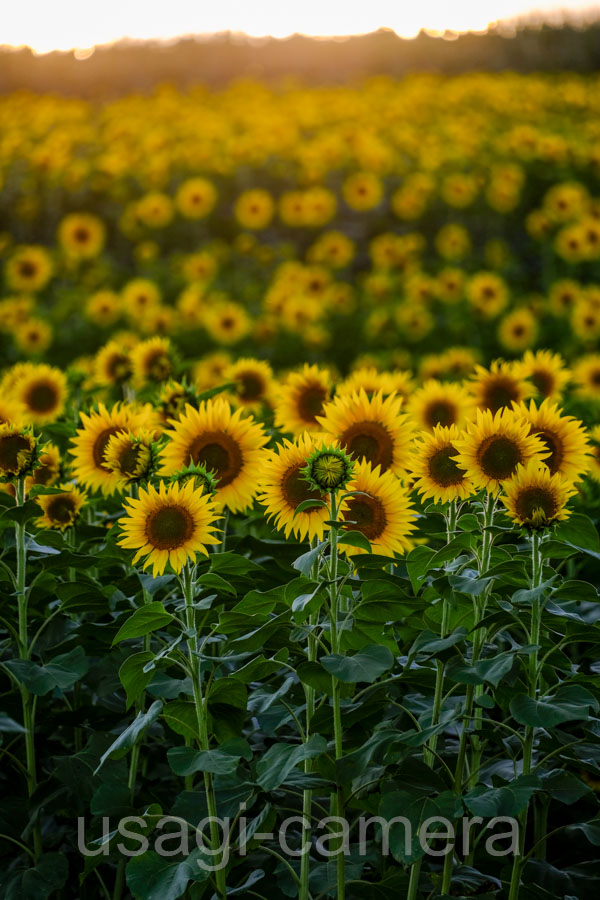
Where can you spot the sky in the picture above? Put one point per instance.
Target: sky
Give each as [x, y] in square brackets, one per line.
[46, 25]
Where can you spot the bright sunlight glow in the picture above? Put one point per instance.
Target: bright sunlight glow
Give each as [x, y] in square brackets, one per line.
[46, 25]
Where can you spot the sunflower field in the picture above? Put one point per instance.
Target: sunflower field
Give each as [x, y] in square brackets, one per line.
[299, 484]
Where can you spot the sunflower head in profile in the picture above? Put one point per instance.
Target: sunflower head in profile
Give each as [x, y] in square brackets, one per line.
[437, 475]
[112, 364]
[492, 447]
[564, 437]
[203, 479]
[91, 440]
[253, 380]
[228, 443]
[534, 498]
[547, 373]
[168, 526]
[440, 403]
[172, 399]
[152, 361]
[60, 511]
[594, 458]
[48, 470]
[382, 512]
[18, 451]
[302, 398]
[11, 411]
[328, 469]
[499, 386]
[372, 429]
[284, 488]
[131, 457]
[42, 391]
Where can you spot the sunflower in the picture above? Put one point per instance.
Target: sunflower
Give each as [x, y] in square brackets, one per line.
[437, 475]
[91, 441]
[60, 510]
[594, 459]
[253, 379]
[564, 438]
[227, 442]
[586, 376]
[367, 378]
[518, 330]
[209, 372]
[112, 364]
[302, 398]
[42, 390]
[362, 191]
[47, 472]
[81, 235]
[382, 512]
[254, 209]
[130, 456]
[151, 361]
[563, 296]
[103, 308]
[487, 293]
[138, 296]
[453, 242]
[33, 337]
[18, 451]
[172, 400]
[492, 447]
[585, 320]
[499, 386]
[155, 209]
[195, 198]
[28, 269]
[440, 403]
[546, 371]
[171, 525]
[535, 498]
[11, 411]
[284, 488]
[372, 429]
[226, 322]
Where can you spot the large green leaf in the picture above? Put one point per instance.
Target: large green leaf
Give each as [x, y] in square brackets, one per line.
[280, 760]
[155, 877]
[570, 703]
[132, 734]
[62, 672]
[366, 665]
[144, 620]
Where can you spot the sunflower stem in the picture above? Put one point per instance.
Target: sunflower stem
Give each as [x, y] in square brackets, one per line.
[188, 584]
[532, 677]
[335, 686]
[309, 693]
[27, 699]
[472, 691]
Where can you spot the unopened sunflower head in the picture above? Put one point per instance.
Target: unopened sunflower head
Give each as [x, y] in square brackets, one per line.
[19, 451]
[328, 469]
[204, 479]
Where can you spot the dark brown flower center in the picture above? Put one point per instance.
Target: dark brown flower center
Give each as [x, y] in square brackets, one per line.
[441, 412]
[369, 441]
[443, 470]
[310, 402]
[100, 445]
[295, 489]
[128, 460]
[555, 446]
[169, 527]
[543, 382]
[250, 386]
[62, 509]
[499, 392]
[81, 235]
[11, 445]
[42, 397]
[534, 500]
[157, 365]
[499, 456]
[219, 452]
[368, 516]
[27, 269]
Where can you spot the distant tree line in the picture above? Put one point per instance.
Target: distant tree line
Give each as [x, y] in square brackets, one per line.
[129, 66]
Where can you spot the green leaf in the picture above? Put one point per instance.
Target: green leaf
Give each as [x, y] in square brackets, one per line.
[132, 675]
[309, 504]
[280, 760]
[186, 761]
[62, 672]
[306, 562]
[261, 667]
[355, 539]
[580, 532]
[508, 800]
[429, 642]
[154, 877]
[47, 877]
[144, 620]
[570, 703]
[564, 786]
[181, 717]
[132, 734]
[366, 665]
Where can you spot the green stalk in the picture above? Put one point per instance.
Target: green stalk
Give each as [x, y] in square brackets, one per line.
[335, 685]
[472, 691]
[533, 676]
[431, 745]
[309, 693]
[194, 663]
[27, 699]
